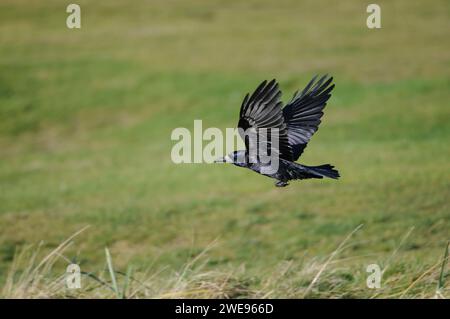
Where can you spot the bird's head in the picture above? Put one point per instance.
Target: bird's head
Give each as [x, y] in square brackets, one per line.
[237, 158]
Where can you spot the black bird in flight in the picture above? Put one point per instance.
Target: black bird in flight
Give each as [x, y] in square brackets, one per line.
[294, 124]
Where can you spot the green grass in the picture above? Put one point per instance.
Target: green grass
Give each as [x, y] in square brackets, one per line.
[86, 117]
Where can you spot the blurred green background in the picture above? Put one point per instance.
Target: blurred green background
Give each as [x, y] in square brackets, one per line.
[86, 117]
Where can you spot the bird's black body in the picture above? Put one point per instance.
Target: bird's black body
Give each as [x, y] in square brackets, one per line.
[294, 124]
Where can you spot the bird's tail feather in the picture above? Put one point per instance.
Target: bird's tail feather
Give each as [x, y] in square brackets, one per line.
[325, 170]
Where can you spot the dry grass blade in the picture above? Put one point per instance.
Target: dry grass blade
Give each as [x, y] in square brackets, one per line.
[333, 254]
[431, 269]
[30, 281]
[388, 262]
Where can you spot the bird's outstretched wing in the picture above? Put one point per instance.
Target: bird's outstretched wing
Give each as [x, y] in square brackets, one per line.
[302, 114]
[262, 111]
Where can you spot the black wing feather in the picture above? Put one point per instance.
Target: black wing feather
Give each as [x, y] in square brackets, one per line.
[303, 113]
[262, 110]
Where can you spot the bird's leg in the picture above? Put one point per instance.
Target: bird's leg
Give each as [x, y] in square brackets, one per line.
[281, 184]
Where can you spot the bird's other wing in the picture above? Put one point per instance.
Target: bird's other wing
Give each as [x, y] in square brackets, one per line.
[302, 114]
[262, 111]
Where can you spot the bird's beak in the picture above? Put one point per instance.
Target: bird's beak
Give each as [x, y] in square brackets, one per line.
[225, 159]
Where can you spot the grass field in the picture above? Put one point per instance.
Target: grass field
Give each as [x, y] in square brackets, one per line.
[85, 123]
